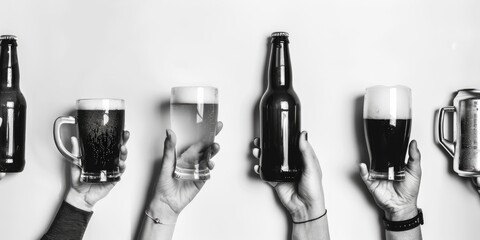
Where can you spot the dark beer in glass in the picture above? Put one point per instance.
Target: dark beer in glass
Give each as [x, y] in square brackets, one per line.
[280, 159]
[387, 122]
[100, 124]
[13, 109]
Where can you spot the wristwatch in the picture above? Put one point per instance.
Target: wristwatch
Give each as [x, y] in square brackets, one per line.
[404, 225]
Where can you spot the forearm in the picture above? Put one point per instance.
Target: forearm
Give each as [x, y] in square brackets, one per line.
[412, 234]
[69, 223]
[151, 231]
[314, 230]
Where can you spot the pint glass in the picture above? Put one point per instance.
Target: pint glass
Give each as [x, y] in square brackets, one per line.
[194, 112]
[100, 124]
[387, 119]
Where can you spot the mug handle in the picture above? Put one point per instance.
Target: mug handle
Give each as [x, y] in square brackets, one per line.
[58, 140]
[447, 145]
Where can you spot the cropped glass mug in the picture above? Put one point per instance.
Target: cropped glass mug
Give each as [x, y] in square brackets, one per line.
[464, 147]
[99, 124]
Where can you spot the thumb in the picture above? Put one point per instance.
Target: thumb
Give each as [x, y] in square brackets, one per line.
[364, 174]
[169, 160]
[414, 159]
[476, 183]
[309, 158]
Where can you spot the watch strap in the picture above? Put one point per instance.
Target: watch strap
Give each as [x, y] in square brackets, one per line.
[405, 225]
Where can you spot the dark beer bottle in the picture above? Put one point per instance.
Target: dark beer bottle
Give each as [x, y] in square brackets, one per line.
[12, 109]
[280, 159]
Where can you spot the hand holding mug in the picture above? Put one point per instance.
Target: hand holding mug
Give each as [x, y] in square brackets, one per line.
[84, 195]
[99, 152]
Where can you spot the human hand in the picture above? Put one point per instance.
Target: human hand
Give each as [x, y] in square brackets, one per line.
[172, 195]
[476, 183]
[398, 199]
[304, 199]
[84, 195]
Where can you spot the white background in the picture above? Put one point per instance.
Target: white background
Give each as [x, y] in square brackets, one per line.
[138, 51]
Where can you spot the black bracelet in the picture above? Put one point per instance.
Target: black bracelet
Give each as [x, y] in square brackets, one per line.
[311, 220]
[405, 225]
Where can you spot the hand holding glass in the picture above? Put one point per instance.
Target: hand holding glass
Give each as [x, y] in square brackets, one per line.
[194, 113]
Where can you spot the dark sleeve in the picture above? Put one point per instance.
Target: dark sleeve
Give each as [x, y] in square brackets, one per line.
[69, 223]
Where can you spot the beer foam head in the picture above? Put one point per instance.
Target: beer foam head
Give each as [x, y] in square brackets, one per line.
[387, 102]
[207, 95]
[100, 104]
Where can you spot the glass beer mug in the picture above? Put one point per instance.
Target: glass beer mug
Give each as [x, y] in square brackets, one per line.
[99, 124]
[466, 132]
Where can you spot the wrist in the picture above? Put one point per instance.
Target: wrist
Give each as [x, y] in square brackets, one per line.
[163, 212]
[77, 200]
[307, 213]
[404, 225]
[401, 214]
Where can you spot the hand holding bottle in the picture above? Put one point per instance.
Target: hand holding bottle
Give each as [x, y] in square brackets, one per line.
[304, 199]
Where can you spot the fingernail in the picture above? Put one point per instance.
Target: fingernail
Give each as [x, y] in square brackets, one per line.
[166, 132]
[306, 136]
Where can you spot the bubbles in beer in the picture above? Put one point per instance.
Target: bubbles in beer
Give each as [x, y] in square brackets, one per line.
[100, 126]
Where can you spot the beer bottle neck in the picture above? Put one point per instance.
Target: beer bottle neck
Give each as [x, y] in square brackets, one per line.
[279, 67]
[9, 72]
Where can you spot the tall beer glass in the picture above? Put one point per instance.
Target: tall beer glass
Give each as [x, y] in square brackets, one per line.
[387, 119]
[194, 112]
[100, 124]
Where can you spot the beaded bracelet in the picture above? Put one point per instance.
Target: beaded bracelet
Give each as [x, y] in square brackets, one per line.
[157, 220]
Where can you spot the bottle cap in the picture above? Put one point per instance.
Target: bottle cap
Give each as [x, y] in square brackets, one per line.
[8, 37]
[280, 34]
